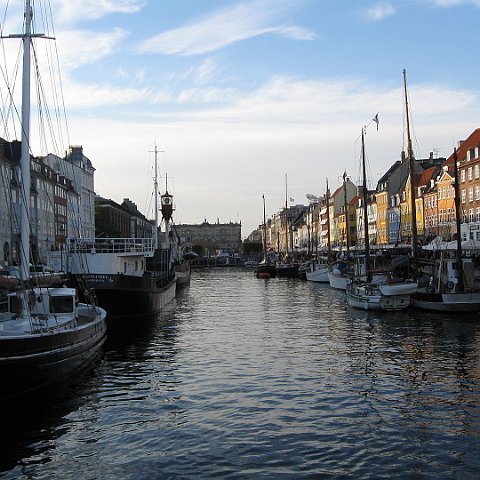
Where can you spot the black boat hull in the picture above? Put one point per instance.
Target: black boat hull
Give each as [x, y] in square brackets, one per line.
[39, 361]
[124, 295]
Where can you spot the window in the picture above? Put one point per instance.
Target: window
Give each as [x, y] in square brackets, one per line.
[470, 194]
[462, 175]
[477, 192]
[61, 304]
[470, 173]
[477, 170]
[470, 215]
[477, 215]
[464, 195]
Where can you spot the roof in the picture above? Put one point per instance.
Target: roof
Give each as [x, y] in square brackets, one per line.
[471, 142]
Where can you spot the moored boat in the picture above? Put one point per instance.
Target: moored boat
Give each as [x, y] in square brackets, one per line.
[369, 295]
[46, 335]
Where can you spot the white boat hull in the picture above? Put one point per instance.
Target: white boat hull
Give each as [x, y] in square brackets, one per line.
[403, 288]
[369, 297]
[318, 275]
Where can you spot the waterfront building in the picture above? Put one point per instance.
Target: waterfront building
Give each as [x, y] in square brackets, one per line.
[371, 218]
[430, 208]
[78, 168]
[6, 213]
[468, 154]
[213, 237]
[344, 203]
[121, 220]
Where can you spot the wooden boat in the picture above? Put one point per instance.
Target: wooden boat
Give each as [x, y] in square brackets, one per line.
[450, 289]
[369, 295]
[46, 336]
[318, 271]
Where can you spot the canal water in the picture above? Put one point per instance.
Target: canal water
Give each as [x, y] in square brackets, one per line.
[262, 379]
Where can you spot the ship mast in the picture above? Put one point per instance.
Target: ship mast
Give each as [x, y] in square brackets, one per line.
[460, 285]
[155, 189]
[286, 216]
[329, 246]
[365, 212]
[411, 166]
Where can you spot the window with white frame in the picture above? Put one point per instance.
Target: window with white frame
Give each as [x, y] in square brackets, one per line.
[470, 194]
[470, 215]
[464, 195]
[470, 173]
[462, 175]
[477, 215]
[477, 170]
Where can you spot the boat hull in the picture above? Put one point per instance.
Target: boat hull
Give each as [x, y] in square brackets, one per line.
[338, 282]
[35, 362]
[287, 271]
[265, 271]
[318, 275]
[124, 295]
[447, 302]
[183, 274]
[367, 297]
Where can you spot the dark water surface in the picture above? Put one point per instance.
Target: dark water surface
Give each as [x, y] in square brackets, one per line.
[255, 379]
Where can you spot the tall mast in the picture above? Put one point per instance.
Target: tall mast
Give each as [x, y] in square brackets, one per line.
[329, 246]
[411, 163]
[345, 206]
[365, 212]
[460, 285]
[25, 150]
[155, 188]
[264, 231]
[286, 214]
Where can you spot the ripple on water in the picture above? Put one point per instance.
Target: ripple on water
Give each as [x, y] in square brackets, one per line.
[246, 378]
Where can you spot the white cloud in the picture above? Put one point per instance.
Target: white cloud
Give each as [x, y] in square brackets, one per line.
[454, 3]
[225, 27]
[74, 10]
[77, 47]
[379, 11]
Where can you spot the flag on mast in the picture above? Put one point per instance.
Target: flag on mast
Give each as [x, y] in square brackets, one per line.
[375, 119]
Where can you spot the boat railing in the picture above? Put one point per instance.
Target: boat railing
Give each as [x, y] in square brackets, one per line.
[112, 245]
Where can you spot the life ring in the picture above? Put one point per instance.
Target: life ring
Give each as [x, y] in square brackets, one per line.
[449, 284]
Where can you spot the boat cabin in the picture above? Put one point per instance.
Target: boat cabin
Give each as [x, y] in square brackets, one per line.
[43, 301]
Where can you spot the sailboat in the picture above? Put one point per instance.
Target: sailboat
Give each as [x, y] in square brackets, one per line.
[368, 295]
[265, 269]
[319, 267]
[450, 288]
[288, 267]
[129, 276]
[46, 335]
[341, 271]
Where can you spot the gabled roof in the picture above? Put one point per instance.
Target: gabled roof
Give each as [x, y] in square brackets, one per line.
[471, 142]
[425, 177]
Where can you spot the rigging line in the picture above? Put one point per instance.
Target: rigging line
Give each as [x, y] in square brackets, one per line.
[11, 107]
[57, 84]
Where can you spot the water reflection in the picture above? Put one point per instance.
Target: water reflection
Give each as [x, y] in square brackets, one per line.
[250, 378]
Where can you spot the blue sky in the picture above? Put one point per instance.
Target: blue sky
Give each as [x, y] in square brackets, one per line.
[236, 94]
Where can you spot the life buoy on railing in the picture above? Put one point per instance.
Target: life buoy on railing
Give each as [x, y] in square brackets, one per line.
[449, 284]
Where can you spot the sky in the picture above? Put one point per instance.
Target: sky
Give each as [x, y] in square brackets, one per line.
[244, 98]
